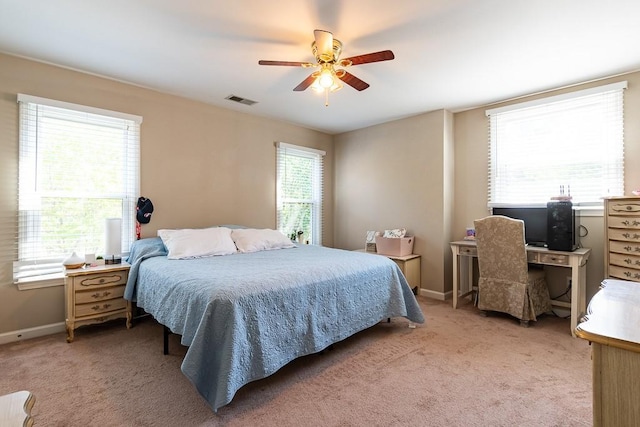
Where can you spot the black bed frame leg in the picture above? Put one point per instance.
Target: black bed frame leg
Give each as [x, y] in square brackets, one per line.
[166, 332]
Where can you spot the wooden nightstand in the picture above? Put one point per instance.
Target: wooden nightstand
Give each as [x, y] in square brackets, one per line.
[409, 265]
[95, 295]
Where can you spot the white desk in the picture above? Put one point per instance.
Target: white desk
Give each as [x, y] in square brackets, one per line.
[466, 250]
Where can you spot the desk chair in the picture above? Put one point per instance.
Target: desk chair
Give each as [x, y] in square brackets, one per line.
[506, 284]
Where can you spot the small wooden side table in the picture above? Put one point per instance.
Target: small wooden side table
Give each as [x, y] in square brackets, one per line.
[15, 409]
[95, 295]
[409, 265]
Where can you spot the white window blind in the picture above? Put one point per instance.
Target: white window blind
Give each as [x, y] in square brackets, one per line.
[299, 191]
[573, 140]
[77, 166]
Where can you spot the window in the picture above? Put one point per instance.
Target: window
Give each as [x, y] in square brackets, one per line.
[299, 191]
[574, 141]
[78, 166]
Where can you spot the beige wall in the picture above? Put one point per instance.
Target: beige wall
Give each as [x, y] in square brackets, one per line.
[200, 165]
[398, 174]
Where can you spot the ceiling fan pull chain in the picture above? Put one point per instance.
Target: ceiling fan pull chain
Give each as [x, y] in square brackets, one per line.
[326, 97]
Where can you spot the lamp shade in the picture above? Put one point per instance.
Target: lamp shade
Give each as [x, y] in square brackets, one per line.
[113, 238]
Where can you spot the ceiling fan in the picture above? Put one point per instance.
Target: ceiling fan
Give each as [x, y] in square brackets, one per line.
[327, 79]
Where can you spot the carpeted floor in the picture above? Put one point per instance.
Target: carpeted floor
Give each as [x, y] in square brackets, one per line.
[459, 369]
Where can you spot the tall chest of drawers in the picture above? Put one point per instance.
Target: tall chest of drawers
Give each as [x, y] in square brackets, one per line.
[95, 295]
[622, 238]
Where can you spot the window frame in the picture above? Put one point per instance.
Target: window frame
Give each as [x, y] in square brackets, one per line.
[33, 270]
[316, 200]
[542, 108]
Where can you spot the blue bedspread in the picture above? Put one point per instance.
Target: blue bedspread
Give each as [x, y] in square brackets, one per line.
[245, 316]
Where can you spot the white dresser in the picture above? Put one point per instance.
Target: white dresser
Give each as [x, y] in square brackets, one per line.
[622, 238]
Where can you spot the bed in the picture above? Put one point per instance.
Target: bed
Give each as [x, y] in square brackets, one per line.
[243, 316]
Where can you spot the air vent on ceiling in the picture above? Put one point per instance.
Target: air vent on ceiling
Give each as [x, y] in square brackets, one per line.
[244, 101]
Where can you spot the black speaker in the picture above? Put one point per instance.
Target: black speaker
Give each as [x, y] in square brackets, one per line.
[562, 226]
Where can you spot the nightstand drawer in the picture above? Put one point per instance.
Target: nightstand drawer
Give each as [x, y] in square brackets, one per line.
[469, 251]
[94, 295]
[100, 307]
[103, 279]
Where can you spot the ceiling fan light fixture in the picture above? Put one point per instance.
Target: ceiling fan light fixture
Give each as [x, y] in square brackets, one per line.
[326, 78]
[327, 50]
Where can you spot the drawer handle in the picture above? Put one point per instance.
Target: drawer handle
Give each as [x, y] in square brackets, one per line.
[634, 223]
[631, 236]
[99, 295]
[97, 307]
[632, 275]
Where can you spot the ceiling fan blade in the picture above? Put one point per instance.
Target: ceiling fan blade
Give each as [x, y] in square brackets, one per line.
[384, 55]
[352, 80]
[286, 63]
[324, 43]
[305, 83]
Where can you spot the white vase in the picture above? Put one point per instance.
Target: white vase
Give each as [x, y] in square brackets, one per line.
[73, 261]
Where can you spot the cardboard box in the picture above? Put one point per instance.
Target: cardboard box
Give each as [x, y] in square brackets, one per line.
[394, 246]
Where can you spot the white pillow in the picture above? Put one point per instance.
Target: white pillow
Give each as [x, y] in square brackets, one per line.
[253, 240]
[197, 243]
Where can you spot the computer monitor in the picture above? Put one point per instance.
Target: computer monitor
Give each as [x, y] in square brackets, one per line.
[535, 222]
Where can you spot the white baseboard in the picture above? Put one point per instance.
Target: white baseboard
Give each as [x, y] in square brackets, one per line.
[25, 334]
[441, 296]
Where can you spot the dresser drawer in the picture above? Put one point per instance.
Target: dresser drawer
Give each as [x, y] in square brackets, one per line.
[556, 259]
[85, 296]
[631, 222]
[624, 207]
[624, 247]
[102, 279]
[104, 306]
[624, 273]
[627, 261]
[624, 235]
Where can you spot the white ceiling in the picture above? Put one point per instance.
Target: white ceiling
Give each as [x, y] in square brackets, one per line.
[452, 54]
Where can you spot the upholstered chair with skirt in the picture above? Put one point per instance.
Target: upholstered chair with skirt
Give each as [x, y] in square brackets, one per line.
[506, 284]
